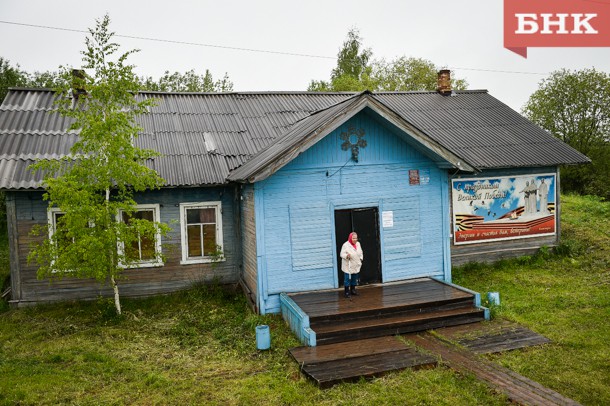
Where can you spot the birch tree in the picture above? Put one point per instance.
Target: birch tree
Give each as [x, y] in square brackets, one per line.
[92, 189]
[357, 70]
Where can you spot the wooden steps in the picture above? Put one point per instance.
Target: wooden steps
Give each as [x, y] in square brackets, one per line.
[349, 361]
[395, 318]
[387, 309]
[391, 324]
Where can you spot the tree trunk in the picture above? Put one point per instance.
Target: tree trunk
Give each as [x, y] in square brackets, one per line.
[117, 302]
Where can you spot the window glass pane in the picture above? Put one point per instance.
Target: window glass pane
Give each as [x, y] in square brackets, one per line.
[142, 249]
[147, 247]
[194, 216]
[194, 241]
[60, 234]
[139, 215]
[132, 251]
[209, 239]
[144, 215]
[208, 215]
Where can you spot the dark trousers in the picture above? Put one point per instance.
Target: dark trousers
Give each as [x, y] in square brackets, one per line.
[350, 279]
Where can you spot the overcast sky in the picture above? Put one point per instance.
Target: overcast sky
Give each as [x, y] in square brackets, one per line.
[464, 35]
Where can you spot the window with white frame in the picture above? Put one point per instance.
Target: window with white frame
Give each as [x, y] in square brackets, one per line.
[201, 232]
[145, 250]
[54, 216]
[57, 231]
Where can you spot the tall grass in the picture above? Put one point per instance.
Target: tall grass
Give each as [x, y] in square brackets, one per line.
[564, 296]
[198, 346]
[4, 264]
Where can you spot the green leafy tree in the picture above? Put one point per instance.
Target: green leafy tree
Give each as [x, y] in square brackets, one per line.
[353, 69]
[10, 76]
[93, 186]
[187, 82]
[356, 71]
[574, 106]
[409, 74]
[46, 80]
[13, 76]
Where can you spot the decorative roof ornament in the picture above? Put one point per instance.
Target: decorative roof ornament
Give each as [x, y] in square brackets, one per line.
[353, 139]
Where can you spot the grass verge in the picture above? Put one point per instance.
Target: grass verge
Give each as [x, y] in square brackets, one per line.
[563, 296]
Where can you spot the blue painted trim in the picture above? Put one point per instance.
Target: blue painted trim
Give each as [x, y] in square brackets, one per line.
[298, 320]
[332, 209]
[261, 269]
[477, 295]
[381, 239]
[339, 204]
[446, 228]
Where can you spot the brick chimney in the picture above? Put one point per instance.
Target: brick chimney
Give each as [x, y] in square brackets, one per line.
[78, 83]
[444, 82]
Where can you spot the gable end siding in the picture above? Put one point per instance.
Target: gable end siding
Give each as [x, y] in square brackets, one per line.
[299, 201]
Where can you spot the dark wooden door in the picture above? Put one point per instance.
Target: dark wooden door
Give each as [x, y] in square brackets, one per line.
[365, 222]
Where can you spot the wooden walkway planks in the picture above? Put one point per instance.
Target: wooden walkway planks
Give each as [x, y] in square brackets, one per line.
[330, 364]
[518, 388]
[490, 337]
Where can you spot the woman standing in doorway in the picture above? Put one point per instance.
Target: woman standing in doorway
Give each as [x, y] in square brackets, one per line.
[352, 256]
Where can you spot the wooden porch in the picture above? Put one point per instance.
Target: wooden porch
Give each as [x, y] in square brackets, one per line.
[346, 339]
[326, 317]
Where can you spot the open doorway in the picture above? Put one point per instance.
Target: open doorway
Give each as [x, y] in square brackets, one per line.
[365, 222]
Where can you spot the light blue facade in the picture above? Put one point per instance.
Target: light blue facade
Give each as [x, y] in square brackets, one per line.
[295, 207]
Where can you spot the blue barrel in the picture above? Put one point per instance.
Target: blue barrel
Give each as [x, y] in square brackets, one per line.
[494, 298]
[263, 337]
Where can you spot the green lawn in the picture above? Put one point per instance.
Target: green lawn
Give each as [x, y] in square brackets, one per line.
[198, 347]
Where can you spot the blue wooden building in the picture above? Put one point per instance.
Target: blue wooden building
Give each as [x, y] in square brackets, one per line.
[278, 180]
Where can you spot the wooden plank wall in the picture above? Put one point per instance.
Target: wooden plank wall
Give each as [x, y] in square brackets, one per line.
[31, 210]
[248, 232]
[13, 243]
[494, 251]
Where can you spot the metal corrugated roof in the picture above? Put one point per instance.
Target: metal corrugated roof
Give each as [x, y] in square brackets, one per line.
[482, 130]
[204, 136]
[299, 133]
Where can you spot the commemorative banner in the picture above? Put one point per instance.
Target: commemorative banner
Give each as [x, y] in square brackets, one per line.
[503, 208]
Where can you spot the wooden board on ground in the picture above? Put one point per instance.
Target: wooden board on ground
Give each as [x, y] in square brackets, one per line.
[518, 388]
[349, 361]
[494, 336]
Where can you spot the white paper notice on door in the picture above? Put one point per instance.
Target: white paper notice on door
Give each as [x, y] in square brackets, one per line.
[387, 218]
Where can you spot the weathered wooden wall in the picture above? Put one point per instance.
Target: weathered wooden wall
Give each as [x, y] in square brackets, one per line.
[496, 250]
[30, 210]
[296, 245]
[248, 232]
